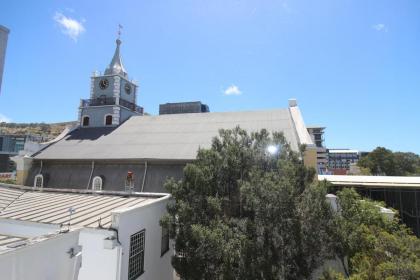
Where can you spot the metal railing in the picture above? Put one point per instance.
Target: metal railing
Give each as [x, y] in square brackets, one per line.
[111, 101]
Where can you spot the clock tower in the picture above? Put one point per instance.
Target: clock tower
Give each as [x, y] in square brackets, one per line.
[112, 96]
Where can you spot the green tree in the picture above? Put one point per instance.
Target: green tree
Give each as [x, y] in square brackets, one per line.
[407, 163]
[382, 161]
[377, 247]
[247, 211]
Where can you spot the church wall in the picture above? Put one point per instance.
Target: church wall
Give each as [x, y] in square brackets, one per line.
[129, 97]
[75, 174]
[113, 175]
[157, 174]
[97, 114]
[125, 114]
[108, 92]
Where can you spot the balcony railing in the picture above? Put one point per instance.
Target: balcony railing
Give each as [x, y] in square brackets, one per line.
[111, 101]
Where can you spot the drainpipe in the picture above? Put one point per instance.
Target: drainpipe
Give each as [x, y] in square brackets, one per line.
[144, 176]
[91, 173]
[40, 169]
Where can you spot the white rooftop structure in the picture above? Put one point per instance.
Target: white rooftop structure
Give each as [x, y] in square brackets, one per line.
[372, 181]
[81, 234]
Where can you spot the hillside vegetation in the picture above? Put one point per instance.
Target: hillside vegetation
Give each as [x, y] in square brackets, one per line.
[48, 131]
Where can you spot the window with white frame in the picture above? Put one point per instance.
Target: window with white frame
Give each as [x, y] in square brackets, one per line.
[97, 183]
[136, 256]
[39, 181]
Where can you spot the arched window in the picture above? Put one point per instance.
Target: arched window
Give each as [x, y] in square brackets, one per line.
[39, 181]
[85, 121]
[97, 183]
[108, 120]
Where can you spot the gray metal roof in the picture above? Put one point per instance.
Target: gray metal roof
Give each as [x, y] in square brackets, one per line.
[7, 196]
[52, 206]
[168, 137]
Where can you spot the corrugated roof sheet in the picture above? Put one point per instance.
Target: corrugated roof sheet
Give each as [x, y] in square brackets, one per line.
[170, 137]
[53, 207]
[6, 240]
[7, 196]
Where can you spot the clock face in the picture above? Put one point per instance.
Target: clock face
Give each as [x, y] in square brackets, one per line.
[103, 84]
[127, 88]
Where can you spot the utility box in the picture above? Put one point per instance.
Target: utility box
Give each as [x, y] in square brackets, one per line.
[110, 242]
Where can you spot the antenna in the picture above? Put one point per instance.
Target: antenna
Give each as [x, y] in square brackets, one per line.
[71, 211]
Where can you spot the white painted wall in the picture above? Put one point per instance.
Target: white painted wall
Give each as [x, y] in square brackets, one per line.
[44, 260]
[47, 259]
[98, 262]
[146, 217]
[25, 228]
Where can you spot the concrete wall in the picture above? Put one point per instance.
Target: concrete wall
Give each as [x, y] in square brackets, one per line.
[26, 229]
[125, 114]
[129, 97]
[98, 262]
[96, 114]
[310, 157]
[147, 217]
[116, 85]
[43, 260]
[97, 91]
[76, 174]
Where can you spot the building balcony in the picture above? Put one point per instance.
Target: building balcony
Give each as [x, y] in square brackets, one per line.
[110, 101]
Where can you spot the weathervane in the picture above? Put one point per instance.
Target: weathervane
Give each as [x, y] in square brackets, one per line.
[119, 30]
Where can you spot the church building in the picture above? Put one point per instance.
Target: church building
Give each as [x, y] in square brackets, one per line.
[116, 146]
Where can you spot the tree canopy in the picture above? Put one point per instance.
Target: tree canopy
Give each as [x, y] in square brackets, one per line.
[248, 208]
[382, 161]
[376, 246]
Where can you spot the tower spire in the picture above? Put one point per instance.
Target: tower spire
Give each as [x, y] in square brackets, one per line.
[116, 65]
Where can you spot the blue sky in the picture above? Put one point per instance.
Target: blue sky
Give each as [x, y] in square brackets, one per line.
[353, 65]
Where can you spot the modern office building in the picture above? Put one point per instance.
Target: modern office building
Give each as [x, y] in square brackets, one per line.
[340, 160]
[4, 34]
[317, 135]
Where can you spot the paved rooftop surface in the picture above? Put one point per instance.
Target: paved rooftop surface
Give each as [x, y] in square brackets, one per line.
[52, 206]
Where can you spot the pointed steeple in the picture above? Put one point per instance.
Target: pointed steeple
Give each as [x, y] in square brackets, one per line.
[116, 66]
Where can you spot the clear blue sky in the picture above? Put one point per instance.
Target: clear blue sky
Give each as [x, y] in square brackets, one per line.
[354, 66]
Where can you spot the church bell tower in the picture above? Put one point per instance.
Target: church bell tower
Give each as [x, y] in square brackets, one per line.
[112, 96]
